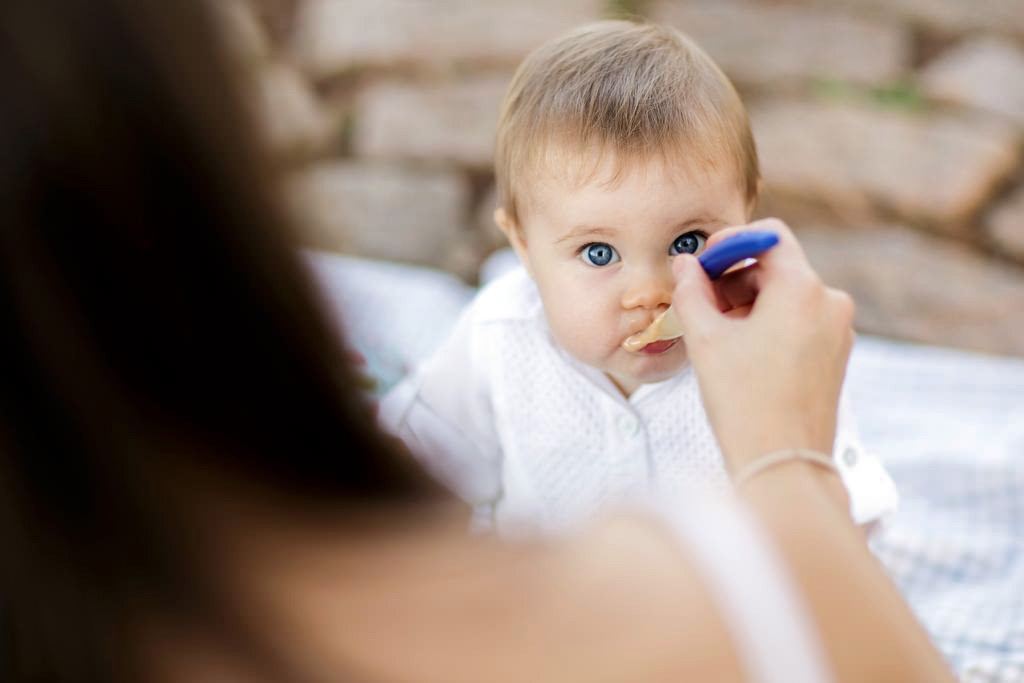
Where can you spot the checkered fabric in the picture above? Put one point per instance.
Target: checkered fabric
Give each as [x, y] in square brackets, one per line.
[950, 427]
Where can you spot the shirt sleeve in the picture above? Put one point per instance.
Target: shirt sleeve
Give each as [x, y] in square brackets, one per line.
[873, 494]
[442, 412]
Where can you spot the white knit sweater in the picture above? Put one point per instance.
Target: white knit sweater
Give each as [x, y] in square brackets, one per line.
[533, 438]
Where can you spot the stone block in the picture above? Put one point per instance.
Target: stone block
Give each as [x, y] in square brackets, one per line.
[1004, 226]
[382, 211]
[986, 73]
[243, 32]
[758, 43]
[331, 36]
[292, 116]
[910, 285]
[447, 121]
[944, 16]
[936, 168]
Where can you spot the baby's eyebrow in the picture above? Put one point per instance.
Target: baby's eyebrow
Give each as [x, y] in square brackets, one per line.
[582, 230]
[703, 221]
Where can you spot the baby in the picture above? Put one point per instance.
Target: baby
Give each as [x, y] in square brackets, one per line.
[619, 146]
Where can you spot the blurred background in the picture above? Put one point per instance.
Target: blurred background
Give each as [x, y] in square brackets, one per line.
[891, 134]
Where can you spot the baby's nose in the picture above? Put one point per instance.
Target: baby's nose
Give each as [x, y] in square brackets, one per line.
[649, 290]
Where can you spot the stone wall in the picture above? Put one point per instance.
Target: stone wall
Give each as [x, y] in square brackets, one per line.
[891, 134]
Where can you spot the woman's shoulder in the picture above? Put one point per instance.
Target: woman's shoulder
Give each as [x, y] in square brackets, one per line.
[617, 601]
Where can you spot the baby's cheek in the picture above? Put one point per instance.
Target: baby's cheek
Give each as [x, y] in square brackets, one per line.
[583, 332]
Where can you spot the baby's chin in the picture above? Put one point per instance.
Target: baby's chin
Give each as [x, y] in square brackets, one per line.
[651, 368]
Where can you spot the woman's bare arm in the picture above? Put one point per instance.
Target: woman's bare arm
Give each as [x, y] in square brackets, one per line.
[867, 629]
[770, 378]
[619, 602]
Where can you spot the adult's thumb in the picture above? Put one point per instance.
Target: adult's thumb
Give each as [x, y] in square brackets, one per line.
[694, 298]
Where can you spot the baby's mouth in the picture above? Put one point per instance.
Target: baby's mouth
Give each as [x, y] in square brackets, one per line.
[661, 346]
[665, 328]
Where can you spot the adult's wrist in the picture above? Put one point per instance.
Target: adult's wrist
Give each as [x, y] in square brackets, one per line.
[747, 443]
[783, 457]
[780, 482]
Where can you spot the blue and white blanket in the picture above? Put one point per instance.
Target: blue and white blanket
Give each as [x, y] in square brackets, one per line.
[948, 424]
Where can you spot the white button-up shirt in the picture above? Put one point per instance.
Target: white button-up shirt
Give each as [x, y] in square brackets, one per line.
[533, 438]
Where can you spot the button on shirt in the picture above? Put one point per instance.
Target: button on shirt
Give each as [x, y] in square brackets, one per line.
[535, 439]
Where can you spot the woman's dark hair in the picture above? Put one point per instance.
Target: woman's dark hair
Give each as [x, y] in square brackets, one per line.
[153, 310]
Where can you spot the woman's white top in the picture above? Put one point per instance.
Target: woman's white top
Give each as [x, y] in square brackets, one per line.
[534, 439]
[763, 609]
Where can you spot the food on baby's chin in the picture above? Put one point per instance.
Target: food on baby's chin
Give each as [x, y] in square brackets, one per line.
[665, 326]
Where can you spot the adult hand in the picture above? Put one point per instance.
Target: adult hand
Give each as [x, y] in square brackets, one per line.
[769, 346]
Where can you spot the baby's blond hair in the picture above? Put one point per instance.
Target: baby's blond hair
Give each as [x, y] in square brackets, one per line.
[630, 89]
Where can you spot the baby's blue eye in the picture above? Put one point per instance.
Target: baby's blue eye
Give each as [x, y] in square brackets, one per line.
[688, 243]
[599, 254]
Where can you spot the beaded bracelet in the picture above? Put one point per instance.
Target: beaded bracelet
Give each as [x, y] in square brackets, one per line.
[767, 460]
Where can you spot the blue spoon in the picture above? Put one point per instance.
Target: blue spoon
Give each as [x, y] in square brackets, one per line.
[731, 251]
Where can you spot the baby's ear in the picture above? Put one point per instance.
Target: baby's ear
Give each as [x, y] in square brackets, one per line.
[513, 232]
[752, 202]
[506, 224]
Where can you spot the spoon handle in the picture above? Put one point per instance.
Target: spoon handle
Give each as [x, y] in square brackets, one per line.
[731, 251]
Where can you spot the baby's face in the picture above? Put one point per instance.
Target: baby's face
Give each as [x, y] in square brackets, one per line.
[601, 255]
